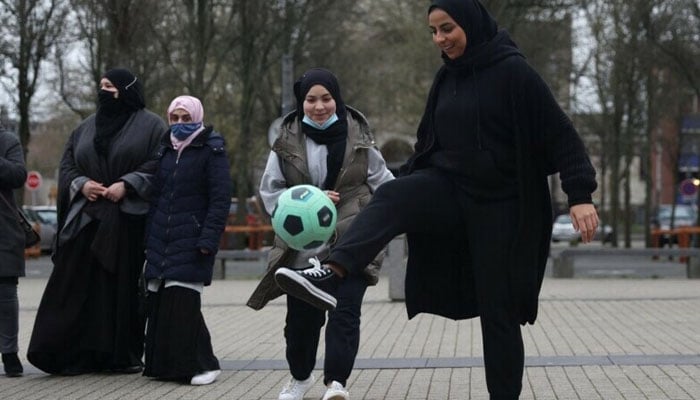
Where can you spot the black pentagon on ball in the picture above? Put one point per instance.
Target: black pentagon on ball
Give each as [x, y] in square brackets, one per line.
[293, 225]
[313, 245]
[325, 216]
[301, 194]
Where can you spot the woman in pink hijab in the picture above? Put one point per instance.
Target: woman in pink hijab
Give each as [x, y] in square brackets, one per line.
[186, 220]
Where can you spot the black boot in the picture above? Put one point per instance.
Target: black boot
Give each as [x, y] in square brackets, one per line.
[13, 367]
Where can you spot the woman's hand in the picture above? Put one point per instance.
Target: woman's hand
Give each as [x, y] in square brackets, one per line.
[585, 220]
[115, 192]
[92, 190]
[334, 196]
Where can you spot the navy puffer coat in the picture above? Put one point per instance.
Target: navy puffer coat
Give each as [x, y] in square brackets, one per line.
[189, 210]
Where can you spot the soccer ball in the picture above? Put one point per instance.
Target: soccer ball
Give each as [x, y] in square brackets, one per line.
[304, 217]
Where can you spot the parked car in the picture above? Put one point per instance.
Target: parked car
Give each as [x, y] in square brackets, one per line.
[47, 219]
[33, 251]
[684, 215]
[563, 230]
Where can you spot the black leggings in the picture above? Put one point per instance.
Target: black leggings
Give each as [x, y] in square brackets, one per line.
[428, 202]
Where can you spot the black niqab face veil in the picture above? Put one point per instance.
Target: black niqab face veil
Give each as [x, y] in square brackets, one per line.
[113, 113]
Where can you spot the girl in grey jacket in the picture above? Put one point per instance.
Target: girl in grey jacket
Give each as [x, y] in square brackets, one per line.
[327, 144]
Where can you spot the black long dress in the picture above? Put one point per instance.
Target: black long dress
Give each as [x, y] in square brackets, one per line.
[89, 318]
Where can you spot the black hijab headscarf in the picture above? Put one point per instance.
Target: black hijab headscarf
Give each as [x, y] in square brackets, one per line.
[335, 136]
[476, 22]
[113, 113]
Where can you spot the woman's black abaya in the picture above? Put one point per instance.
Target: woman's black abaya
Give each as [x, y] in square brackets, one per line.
[89, 317]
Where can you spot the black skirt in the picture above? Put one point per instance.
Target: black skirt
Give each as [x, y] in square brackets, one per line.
[88, 319]
[178, 344]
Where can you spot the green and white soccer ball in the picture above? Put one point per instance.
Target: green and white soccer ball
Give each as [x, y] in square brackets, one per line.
[304, 217]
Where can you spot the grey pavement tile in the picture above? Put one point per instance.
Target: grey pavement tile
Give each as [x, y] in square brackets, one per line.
[687, 377]
[665, 382]
[594, 339]
[606, 388]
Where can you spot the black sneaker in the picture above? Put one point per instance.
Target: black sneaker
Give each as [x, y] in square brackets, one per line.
[315, 285]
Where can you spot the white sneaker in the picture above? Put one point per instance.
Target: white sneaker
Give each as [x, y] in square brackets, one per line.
[205, 377]
[336, 391]
[294, 389]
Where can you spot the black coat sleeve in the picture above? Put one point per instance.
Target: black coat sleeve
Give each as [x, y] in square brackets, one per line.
[554, 139]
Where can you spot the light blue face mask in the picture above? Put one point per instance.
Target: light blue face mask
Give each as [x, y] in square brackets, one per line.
[330, 121]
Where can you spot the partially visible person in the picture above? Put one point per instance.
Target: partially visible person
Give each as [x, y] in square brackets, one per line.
[191, 202]
[12, 176]
[473, 199]
[327, 144]
[89, 319]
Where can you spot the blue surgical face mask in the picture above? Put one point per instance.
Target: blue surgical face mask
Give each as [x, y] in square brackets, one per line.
[330, 121]
[183, 131]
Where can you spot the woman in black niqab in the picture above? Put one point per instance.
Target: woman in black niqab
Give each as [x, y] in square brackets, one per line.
[113, 112]
[89, 318]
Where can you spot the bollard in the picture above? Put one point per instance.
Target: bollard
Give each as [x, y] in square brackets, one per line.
[395, 263]
[693, 267]
[683, 236]
[563, 267]
[219, 270]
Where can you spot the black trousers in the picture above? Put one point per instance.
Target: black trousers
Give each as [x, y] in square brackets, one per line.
[9, 315]
[303, 329]
[426, 202]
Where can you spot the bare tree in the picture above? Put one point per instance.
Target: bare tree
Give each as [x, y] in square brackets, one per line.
[617, 74]
[674, 31]
[108, 34]
[29, 31]
[670, 53]
[251, 62]
[195, 43]
[390, 64]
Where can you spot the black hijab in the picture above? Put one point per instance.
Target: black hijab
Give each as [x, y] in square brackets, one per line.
[113, 113]
[476, 22]
[335, 136]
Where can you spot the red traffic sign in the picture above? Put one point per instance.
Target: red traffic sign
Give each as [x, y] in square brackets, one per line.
[33, 180]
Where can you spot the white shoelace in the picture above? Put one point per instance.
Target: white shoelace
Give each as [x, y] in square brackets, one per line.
[317, 270]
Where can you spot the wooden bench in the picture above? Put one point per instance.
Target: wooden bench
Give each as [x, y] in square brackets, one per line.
[563, 262]
[683, 235]
[255, 233]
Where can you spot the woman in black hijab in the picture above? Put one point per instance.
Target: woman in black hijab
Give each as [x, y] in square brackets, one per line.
[89, 318]
[474, 199]
[328, 144]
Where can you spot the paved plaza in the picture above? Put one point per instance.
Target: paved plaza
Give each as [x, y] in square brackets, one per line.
[595, 338]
